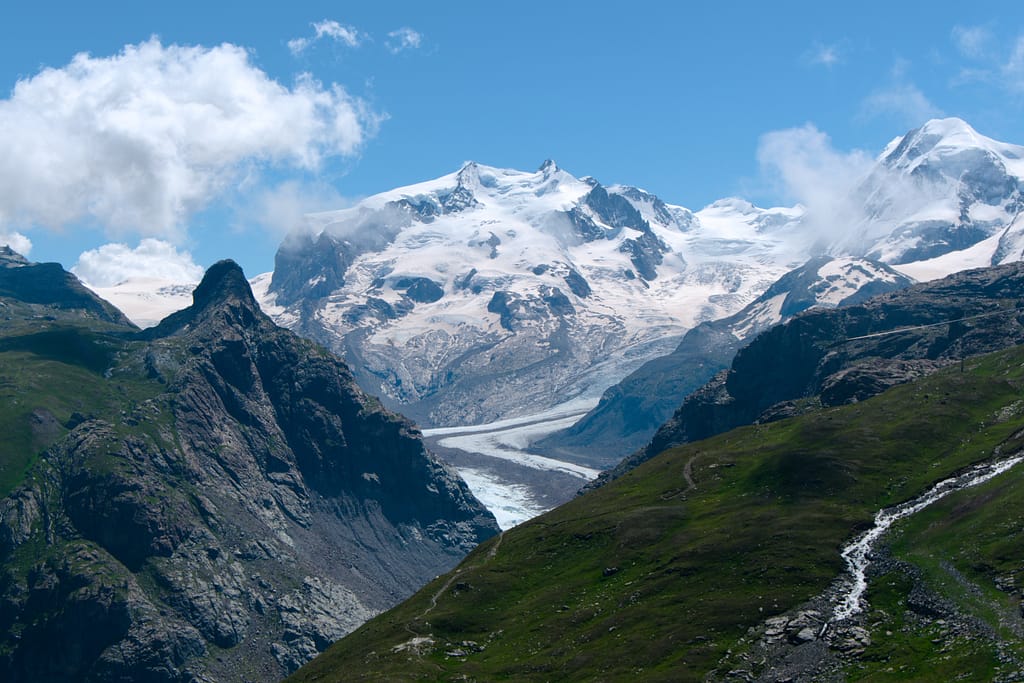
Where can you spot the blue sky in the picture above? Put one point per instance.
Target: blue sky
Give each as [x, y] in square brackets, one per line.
[672, 97]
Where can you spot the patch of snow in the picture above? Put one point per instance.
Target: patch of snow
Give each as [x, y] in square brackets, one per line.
[147, 301]
[976, 256]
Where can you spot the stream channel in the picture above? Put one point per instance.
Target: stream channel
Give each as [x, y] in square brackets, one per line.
[858, 553]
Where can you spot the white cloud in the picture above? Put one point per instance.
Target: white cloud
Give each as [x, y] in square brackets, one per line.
[849, 200]
[1013, 70]
[973, 42]
[139, 141]
[904, 101]
[112, 263]
[330, 29]
[404, 38]
[806, 168]
[993, 64]
[282, 208]
[16, 241]
[824, 55]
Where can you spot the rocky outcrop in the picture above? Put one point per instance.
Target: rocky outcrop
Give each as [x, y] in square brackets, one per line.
[49, 286]
[832, 357]
[251, 509]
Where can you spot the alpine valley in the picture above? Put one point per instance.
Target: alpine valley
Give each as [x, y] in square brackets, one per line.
[809, 423]
[497, 307]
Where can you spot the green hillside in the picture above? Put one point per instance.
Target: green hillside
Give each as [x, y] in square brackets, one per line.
[660, 575]
[52, 369]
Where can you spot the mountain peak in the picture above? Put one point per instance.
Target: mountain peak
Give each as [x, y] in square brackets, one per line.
[469, 175]
[222, 282]
[10, 258]
[946, 127]
[223, 287]
[937, 134]
[549, 166]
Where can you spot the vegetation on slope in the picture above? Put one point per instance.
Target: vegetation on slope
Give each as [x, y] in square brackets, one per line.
[52, 369]
[662, 572]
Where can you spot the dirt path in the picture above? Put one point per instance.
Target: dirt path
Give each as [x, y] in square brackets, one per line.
[448, 584]
[688, 473]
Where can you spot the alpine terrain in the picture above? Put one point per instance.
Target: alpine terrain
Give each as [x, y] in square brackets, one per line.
[865, 526]
[210, 499]
[940, 199]
[492, 293]
[513, 301]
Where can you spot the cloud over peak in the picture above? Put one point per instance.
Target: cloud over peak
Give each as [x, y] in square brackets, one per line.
[139, 141]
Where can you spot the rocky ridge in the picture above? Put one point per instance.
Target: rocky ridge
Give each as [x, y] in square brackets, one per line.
[247, 506]
[834, 357]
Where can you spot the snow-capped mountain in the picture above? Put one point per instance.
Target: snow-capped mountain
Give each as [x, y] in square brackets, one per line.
[940, 199]
[631, 411]
[492, 293]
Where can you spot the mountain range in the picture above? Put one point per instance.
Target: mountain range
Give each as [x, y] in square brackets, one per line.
[219, 499]
[492, 293]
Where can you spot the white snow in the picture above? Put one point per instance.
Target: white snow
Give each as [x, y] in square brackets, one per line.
[845, 277]
[976, 256]
[762, 315]
[147, 301]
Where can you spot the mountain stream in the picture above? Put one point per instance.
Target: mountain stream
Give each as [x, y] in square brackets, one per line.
[858, 553]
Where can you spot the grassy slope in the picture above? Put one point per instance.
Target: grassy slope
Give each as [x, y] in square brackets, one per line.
[50, 370]
[969, 553]
[649, 577]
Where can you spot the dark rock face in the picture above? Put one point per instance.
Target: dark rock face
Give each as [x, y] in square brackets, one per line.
[259, 506]
[309, 267]
[578, 284]
[646, 252]
[420, 289]
[48, 284]
[831, 357]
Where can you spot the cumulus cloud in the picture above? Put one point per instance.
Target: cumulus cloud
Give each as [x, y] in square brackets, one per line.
[113, 263]
[328, 28]
[904, 101]
[16, 241]
[404, 38]
[137, 142]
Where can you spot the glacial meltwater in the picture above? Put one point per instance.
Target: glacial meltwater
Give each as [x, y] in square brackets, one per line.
[857, 553]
